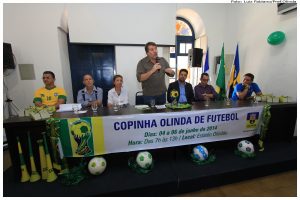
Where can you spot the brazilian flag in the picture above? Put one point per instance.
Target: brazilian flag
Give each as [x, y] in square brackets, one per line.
[220, 82]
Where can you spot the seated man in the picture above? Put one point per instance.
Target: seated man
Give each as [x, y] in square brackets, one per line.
[243, 91]
[50, 95]
[184, 90]
[90, 94]
[203, 91]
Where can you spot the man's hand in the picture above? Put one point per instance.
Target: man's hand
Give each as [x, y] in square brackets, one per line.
[148, 74]
[245, 86]
[94, 103]
[241, 95]
[156, 67]
[38, 104]
[169, 72]
[207, 96]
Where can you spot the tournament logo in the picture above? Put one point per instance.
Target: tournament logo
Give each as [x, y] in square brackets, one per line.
[252, 119]
[81, 132]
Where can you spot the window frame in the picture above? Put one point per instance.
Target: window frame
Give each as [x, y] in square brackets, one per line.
[182, 39]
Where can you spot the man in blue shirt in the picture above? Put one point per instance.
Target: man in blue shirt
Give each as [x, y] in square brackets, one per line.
[184, 90]
[90, 94]
[243, 91]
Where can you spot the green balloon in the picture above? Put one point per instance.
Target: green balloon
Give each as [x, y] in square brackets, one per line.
[276, 37]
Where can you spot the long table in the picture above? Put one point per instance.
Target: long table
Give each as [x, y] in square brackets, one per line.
[281, 127]
[97, 135]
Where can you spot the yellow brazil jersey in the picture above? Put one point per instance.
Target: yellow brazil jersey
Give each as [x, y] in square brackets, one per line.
[49, 97]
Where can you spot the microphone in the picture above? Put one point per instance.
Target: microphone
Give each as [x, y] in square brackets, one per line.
[157, 61]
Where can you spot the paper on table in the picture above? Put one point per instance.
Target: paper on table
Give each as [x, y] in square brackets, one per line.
[68, 107]
[141, 107]
[160, 106]
[82, 111]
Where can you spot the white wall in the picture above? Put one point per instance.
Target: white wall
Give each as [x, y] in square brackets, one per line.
[122, 23]
[32, 31]
[274, 67]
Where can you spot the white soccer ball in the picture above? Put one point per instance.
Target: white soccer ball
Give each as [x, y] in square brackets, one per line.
[97, 165]
[200, 152]
[144, 159]
[245, 146]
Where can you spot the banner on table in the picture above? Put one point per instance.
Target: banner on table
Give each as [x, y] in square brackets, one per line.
[82, 136]
[91, 136]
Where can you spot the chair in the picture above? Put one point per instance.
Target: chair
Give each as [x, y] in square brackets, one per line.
[139, 98]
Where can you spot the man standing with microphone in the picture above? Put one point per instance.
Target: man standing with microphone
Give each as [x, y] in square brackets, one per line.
[151, 72]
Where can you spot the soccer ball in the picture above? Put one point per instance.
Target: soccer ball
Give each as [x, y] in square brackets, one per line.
[97, 165]
[245, 146]
[200, 152]
[144, 159]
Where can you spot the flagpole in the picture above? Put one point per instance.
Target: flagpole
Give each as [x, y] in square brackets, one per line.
[228, 86]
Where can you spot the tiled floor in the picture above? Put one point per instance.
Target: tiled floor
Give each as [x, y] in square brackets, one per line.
[278, 185]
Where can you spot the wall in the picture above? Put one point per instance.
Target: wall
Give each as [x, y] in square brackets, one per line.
[65, 63]
[32, 31]
[122, 23]
[274, 67]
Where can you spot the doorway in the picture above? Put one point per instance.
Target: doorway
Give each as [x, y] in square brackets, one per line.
[97, 60]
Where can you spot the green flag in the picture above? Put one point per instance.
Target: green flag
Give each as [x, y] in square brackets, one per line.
[220, 83]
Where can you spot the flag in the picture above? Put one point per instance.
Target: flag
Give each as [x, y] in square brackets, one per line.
[220, 82]
[234, 73]
[206, 65]
[77, 138]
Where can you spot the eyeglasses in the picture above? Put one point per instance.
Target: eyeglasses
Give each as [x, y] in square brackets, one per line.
[204, 79]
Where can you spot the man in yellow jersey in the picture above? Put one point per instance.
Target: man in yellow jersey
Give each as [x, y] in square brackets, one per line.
[50, 95]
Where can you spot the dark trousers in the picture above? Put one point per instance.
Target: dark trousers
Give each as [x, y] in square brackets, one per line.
[159, 100]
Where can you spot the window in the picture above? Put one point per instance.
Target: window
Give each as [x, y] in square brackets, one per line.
[183, 27]
[185, 39]
[184, 48]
